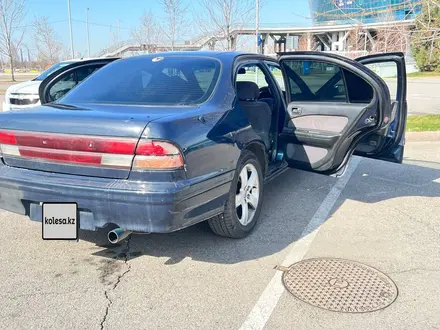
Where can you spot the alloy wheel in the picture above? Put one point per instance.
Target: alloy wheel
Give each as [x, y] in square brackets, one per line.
[247, 194]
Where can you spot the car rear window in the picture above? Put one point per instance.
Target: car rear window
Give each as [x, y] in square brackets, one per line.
[146, 80]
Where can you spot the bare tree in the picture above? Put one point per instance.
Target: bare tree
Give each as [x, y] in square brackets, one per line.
[48, 44]
[393, 38]
[357, 41]
[147, 32]
[306, 42]
[176, 12]
[114, 40]
[12, 14]
[220, 17]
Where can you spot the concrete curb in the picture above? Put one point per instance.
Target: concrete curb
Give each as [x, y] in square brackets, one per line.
[422, 136]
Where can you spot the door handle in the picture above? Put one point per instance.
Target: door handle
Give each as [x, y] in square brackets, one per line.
[295, 110]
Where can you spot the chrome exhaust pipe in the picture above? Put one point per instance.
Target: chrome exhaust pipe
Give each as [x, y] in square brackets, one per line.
[116, 235]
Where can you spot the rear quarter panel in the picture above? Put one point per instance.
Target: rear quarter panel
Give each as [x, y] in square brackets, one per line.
[207, 144]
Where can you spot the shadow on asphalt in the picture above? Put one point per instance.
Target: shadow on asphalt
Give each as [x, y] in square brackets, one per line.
[290, 202]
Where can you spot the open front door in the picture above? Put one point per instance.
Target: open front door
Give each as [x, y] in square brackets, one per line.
[62, 81]
[388, 143]
[334, 103]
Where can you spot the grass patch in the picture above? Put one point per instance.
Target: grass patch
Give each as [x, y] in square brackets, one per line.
[423, 123]
[423, 74]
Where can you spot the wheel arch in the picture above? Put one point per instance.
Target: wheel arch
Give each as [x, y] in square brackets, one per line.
[258, 149]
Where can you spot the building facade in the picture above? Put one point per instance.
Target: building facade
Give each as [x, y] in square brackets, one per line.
[331, 12]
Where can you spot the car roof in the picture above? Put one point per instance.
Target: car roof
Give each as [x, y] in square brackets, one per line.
[85, 59]
[215, 54]
[222, 56]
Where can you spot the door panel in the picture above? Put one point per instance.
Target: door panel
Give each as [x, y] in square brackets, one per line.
[335, 124]
[326, 117]
[313, 143]
[388, 142]
[305, 153]
[339, 112]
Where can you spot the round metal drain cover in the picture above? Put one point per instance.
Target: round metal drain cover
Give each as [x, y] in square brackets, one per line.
[340, 285]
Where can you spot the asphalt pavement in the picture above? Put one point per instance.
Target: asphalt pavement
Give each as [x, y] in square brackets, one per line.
[381, 214]
[423, 95]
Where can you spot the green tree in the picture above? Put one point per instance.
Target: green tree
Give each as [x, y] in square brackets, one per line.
[426, 37]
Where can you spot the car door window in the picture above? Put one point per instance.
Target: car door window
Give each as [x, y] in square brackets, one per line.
[253, 73]
[359, 91]
[70, 81]
[83, 73]
[388, 72]
[277, 74]
[315, 81]
[62, 86]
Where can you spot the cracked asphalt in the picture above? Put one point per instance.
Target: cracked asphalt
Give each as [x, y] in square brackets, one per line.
[387, 216]
[125, 255]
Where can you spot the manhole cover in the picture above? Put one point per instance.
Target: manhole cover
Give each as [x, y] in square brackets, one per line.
[340, 285]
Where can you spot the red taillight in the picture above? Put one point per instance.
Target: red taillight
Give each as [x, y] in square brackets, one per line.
[156, 148]
[69, 142]
[7, 138]
[151, 154]
[91, 150]
[69, 148]
[61, 156]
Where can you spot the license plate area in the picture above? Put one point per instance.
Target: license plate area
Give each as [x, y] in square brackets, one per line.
[59, 221]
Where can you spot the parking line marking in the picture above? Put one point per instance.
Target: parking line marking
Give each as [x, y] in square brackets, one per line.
[268, 300]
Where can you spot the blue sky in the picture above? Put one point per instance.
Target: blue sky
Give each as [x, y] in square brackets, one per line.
[108, 12]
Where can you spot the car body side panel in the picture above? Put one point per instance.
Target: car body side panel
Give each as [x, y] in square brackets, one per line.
[205, 150]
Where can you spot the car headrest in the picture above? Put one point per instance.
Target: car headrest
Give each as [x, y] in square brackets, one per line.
[242, 71]
[247, 91]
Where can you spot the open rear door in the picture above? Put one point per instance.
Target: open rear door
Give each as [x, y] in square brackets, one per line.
[388, 143]
[334, 103]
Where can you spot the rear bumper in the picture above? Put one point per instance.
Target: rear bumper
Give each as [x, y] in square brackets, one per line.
[158, 207]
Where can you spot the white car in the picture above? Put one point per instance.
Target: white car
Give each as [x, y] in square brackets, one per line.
[27, 94]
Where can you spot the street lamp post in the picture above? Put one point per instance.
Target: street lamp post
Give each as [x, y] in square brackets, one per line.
[87, 28]
[72, 52]
[257, 25]
[257, 37]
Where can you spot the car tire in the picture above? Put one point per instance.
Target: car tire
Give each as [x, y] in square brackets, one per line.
[241, 215]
